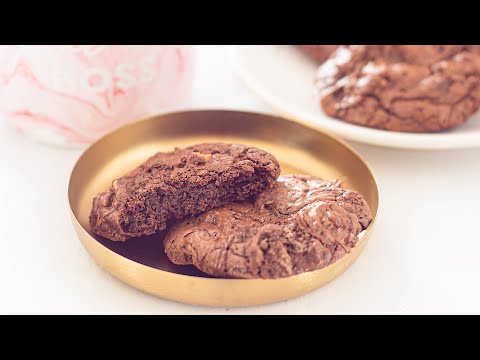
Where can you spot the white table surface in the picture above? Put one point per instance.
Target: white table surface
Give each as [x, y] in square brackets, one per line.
[423, 256]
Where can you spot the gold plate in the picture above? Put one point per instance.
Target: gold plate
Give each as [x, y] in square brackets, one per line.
[300, 148]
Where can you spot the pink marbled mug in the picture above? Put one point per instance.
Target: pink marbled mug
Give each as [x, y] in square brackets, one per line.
[73, 94]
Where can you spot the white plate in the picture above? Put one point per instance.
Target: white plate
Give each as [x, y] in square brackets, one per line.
[283, 77]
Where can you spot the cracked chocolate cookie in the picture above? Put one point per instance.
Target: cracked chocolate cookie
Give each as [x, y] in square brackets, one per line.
[410, 88]
[183, 182]
[319, 53]
[301, 224]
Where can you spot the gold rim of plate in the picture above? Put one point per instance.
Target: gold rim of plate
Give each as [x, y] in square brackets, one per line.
[299, 147]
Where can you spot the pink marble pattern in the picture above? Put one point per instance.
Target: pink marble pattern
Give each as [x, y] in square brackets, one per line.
[73, 94]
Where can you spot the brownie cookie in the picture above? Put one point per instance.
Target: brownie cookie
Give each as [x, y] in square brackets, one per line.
[183, 182]
[411, 88]
[319, 53]
[301, 224]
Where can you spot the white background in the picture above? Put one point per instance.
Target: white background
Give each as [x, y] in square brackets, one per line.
[423, 256]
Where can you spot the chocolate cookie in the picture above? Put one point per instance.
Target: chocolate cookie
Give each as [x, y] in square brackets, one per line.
[319, 53]
[301, 224]
[411, 88]
[183, 182]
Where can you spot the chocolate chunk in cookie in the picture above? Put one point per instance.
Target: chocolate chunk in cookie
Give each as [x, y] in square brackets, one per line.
[183, 182]
[411, 88]
[319, 53]
[301, 224]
